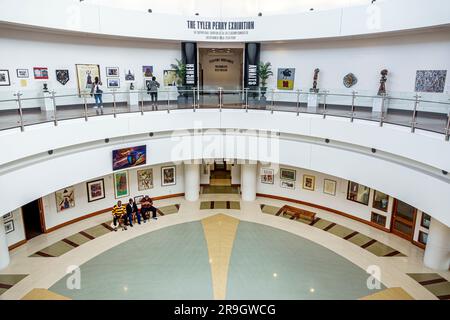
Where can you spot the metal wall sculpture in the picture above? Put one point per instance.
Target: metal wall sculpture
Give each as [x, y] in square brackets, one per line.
[350, 80]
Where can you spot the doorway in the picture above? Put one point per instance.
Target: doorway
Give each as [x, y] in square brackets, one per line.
[403, 220]
[33, 219]
[220, 179]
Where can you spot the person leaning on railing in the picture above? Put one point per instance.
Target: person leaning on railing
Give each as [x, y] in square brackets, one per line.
[119, 214]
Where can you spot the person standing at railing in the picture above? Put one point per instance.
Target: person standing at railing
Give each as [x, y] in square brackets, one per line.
[152, 89]
[97, 91]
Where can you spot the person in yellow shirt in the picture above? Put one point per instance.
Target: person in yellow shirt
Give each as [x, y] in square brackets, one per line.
[119, 212]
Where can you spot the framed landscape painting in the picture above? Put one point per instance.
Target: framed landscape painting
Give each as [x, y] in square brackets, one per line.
[121, 184]
[287, 184]
[145, 179]
[96, 190]
[65, 199]
[113, 82]
[287, 174]
[168, 176]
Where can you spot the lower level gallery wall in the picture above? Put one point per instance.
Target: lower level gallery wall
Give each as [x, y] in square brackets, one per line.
[14, 228]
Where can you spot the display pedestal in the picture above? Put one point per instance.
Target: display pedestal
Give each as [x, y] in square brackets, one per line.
[133, 98]
[47, 105]
[377, 106]
[313, 102]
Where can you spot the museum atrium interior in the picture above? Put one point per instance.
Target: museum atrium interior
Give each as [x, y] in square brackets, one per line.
[294, 149]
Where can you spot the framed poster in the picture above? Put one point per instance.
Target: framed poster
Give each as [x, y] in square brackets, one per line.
[40, 73]
[138, 199]
[112, 71]
[9, 226]
[285, 78]
[329, 187]
[62, 76]
[4, 78]
[168, 176]
[267, 176]
[358, 193]
[65, 199]
[430, 80]
[287, 184]
[169, 78]
[113, 82]
[129, 157]
[8, 216]
[287, 174]
[22, 73]
[96, 190]
[309, 182]
[147, 71]
[425, 220]
[145, 179]
[86, 74]
[121, 184]
[129, 75]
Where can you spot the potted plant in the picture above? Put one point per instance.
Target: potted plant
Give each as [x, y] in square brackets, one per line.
[264, 72]
[180, 71]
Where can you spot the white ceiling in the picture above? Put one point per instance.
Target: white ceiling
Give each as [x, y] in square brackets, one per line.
[229, 8]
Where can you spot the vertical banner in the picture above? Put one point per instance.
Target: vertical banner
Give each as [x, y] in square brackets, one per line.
[252, 53]
[189, 57]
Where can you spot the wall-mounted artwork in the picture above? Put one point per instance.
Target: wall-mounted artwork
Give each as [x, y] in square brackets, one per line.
[113, 82]
[329, 187]
[309, 182]
[40, 73]
[287, 184]
[22, 73]
[86, 74]
[170, 78]
[65, 199]
[112, 71]
[267, 176]
[23, 82]
[121, 184]
[168, 176]
[350, 80]
[285, 78]
[9, 226]
[138, 199]
[430, 80]
[96, 190]
[145, 179]
[4, 78]
[287, 174]
[62, 76]
[129, 75]
[147, 71]
[358, 193]
[8, 216]
[129, 157]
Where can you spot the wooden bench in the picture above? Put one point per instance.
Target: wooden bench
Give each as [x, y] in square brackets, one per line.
[297, 213]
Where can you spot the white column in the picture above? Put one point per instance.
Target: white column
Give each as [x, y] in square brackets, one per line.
[4, 252]
[248, 182]
[437, 251]
[191, 181]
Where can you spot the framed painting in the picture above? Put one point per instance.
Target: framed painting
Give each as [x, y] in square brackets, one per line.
[170, 78]
[129, 157]
[138, 199]
[329, 187]
[425, 220]
[22, 73]
[86, 74]
[8, 216]
[96, 190]
[65, 199]
[112, 71]
[168, 176]
[309, 182]
[287, 174]
[129, 75]
[287, 184]
[40, 73]
[285, 78]
[430, 80]
[121, 184]
[113, 82]
[145, 179]
[9, 226]
[4, 78]
[358, 193]
[147, 71]
[267, 176]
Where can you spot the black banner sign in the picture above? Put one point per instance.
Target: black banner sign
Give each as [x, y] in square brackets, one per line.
[252, 53]
[189, 57]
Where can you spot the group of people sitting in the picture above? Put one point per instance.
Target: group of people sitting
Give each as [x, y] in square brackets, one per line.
[124, 216]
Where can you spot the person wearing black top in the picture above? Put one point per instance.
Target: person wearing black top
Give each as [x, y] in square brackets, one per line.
[132, 208]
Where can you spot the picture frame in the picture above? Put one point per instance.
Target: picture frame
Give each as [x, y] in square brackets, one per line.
[309, 182]
[168, 176]
[288, 174]
[138, 199]
[86, 74]
[425, 220]
[170, 78]
[113, 82]
[423, 237]
[380, 201]
[267, 176]
[5, 80]
[147, 71]
[285, 78]
[121, 187]
[112, 72]
[22, 73]
[8, 216]
[40, 73]
[358, 193]
[129, 75]
[287, 184]
[329, 187]
[9, 226]
[145, 179]
[129, 157]
[65, 199]
[95, 190]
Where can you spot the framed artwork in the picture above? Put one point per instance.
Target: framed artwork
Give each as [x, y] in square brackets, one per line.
[23, 82]
[145, 179]
[9, 226]
[4, 78]
[22, 73]
[267, 176]
[358, 193]
[423, 237]
[380, 201]
[430, 80]
[287, 184]
[96, 190]
[129, 75]
[86, 74]
[62, 76]
[121, 184]
[147, 71]
[8, 216]
[169, 78]
[113, 82]
[129, 157]
[40, 73]
[378, 219]
[285, 78]
[112, 71]
[425, 221]
[138, 199]
[309, 182]
[65, 199]
[329, 187]
[168, 176]
[287, 174]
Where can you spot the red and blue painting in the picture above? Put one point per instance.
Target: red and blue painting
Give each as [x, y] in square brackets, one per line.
[129, 157]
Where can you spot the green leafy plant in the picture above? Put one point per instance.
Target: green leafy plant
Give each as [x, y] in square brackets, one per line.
[264, 72]
[180, 71]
